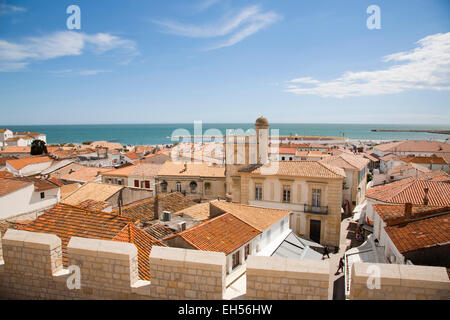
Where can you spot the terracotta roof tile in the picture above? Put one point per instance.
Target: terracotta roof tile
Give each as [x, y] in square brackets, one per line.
[144, 210]
[67, 221]
[159, 231]
[258, 217]
[420, 234]
[170, 168]
[224, 233]
[396, 212]
[14, 149]
[424, 160]
[8, 186]
[306, 169]
[23, 162]
[84, 174]
[93, 191]
[412, 190]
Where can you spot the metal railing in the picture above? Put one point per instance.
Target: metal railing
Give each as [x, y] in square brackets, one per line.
[315, 209]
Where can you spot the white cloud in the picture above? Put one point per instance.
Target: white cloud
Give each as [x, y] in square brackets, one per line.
[91, 72]
[9, 9]
[427, 67]
[206, 4]
[59, 44]
[247, 22]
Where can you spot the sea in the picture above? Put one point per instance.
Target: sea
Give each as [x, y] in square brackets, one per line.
[156, 134]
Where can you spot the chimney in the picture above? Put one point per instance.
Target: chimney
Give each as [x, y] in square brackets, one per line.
[157, 208]
[408, 210]
[425, 199]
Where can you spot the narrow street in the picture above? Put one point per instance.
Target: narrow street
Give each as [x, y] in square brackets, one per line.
[336, 289]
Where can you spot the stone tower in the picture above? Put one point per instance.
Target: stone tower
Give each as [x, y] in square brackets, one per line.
[253, 155]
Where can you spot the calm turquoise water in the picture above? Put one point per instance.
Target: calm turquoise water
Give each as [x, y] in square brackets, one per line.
[158, 133]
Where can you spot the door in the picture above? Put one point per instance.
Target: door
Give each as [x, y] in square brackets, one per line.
[314, 230]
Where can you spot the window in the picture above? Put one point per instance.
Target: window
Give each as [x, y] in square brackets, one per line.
[164, 186]
[258, 191]
[42, 195]
[290, 158]
[147, 184]
[286, 194]
[247, 251]
[207, 187]
[236, 258]
[193, 186]
[136, 183]
[283, 158]
[179, 187]
[316, 197]
[120, 182]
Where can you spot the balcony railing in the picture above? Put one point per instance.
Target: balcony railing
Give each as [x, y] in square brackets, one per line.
[316, 210]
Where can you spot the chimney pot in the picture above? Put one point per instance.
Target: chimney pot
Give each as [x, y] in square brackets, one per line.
[425, 199]
[408, 210]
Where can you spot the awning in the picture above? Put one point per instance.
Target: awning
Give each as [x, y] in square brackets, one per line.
[359, 211]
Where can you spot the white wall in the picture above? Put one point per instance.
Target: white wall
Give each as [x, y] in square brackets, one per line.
[31, 169]
[26, 200]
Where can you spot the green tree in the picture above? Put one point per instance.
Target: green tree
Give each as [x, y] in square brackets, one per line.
[38, 147]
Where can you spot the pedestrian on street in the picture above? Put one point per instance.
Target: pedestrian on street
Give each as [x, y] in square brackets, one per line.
[341, 265]
[325, 252]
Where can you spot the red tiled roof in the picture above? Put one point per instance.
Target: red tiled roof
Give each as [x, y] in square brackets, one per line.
[394, 213]
[131, 155]
[426, 160]
[287, 150]
[224, 233]
[13, 149]
[23, 162]
[67, 221]
[420, 234]
[412, 190]
[8, 185]
[144, 210]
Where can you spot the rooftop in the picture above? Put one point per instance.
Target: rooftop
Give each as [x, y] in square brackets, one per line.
[84, 174]
[144, 210]
[67, 221]
[347, 161]
[170, 168]
[13, 149]
[422, 233]
[258, 217]
[412, 190]
[92, 191]
[314, 169]
[424, 160]
[19, 164]
[224, 233]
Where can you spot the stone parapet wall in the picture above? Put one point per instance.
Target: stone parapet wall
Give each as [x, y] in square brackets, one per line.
[287, 279]
[33, 269]
[398, 282]
[187, 274]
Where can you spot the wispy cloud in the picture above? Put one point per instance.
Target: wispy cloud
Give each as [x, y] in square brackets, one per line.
[427, 67]
[6, 9]
[66, 72]
[15, 56]
[238, 27]
[206, 4]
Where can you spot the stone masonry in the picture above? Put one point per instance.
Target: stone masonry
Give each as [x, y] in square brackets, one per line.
[399, 282]
[287, 279]
[31, 268]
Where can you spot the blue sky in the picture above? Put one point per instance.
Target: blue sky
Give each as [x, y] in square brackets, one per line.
[302, 61]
